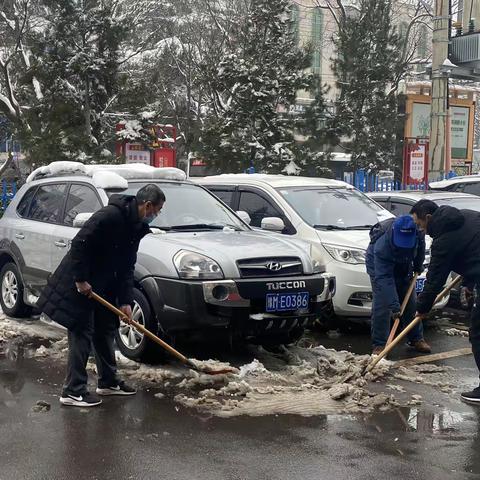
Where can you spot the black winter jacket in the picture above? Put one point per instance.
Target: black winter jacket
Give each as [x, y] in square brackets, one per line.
[455, 247]
[103, 253]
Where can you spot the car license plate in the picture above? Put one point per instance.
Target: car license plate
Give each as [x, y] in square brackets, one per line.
[419, 285]
[284, 302]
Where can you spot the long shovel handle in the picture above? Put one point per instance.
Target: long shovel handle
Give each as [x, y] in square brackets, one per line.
[412, 324]
[143, 330]
[402, 309]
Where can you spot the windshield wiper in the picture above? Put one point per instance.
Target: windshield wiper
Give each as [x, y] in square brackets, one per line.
[330, 227]
[198, 226]
[360, 227]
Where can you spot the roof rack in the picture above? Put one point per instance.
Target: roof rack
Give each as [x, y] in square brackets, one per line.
[104, 175]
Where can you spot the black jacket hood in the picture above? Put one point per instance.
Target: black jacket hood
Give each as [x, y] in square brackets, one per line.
[445, 219]
[127, 205]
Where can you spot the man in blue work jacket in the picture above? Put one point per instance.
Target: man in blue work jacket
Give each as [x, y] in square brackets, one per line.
[395, 253]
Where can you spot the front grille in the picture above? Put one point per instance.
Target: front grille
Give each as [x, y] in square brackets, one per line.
[270, 267]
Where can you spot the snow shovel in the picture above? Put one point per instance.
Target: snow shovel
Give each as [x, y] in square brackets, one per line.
[402, 310]
[140, 328]
[412, 324]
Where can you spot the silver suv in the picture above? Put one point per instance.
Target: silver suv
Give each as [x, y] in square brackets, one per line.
[202, 270]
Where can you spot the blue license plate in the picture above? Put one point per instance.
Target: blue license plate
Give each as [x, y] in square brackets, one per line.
[419, 285]
[284, 302]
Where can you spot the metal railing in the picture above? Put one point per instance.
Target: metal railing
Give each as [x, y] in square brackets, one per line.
[9, 189]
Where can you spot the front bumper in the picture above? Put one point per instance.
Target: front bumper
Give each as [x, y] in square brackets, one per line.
[239, 304]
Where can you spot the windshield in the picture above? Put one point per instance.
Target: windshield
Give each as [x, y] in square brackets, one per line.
[334, 208]
[189, 207]
[460, 203]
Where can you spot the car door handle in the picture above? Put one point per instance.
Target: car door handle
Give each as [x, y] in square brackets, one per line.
[20, 236]
[60, 244]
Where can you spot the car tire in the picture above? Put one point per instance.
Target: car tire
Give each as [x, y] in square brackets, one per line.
[327, 320]
[11, 292]
[133, 344]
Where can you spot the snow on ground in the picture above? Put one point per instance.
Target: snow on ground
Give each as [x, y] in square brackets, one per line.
[295, 380]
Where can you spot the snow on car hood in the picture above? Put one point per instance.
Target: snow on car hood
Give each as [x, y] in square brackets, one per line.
[156, 251]
[345, 238]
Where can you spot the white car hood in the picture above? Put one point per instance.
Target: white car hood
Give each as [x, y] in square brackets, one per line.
[345, 238]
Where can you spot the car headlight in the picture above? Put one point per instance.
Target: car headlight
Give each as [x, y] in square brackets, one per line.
[195, 266]
[346, 255]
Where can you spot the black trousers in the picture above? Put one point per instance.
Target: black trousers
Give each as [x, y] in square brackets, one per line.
[97, 331]
[475, 326]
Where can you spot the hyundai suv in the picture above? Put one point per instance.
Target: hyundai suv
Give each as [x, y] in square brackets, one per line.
[201, 271]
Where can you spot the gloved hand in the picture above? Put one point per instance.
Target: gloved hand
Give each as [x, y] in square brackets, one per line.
[396, 315]
[419, 271]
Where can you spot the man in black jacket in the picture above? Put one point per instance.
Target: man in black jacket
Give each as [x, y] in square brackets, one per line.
[455, 247]
[102, 258]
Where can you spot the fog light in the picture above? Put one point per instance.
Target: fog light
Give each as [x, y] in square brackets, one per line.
[360, 298]
[220, 293]
[332, 286]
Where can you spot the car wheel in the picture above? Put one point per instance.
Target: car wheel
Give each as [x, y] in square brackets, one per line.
[327, 319]
[135, 345]
[11, 292]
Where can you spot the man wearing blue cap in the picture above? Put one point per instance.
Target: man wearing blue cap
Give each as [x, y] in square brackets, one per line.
[395, 253]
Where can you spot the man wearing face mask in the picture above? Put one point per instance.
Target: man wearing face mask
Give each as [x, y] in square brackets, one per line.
[102, 258]
[455, 247]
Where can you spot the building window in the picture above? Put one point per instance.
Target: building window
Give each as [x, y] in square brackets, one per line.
[317, 38]
[296, 22]
[422, 42]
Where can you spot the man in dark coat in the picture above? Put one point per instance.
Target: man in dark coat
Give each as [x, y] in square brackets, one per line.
[102, 258]
[396, 251]
[455, 247]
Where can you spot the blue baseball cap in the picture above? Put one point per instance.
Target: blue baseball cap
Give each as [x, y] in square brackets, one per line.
[404, 232]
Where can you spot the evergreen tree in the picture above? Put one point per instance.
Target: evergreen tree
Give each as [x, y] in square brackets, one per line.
[366, 66]
[78, 68]
[251, 90]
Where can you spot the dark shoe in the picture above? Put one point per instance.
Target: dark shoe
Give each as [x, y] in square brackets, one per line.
[377, 350]
[121, 389]
[86, 400]
[472, 397]
[421, 346]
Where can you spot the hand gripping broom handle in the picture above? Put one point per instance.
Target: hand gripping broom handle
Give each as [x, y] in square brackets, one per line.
[412, 324]
[402, 309]
[143, 330]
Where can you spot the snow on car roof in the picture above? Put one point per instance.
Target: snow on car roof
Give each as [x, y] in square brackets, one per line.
[276, 181]
[107, 176]
[454, 180]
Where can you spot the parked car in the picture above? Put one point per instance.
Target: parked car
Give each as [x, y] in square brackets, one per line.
[331, 215]
[401, 202]
[201, 271]
[465, 184]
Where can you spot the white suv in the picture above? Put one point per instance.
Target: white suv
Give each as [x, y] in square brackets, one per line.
[332, 215]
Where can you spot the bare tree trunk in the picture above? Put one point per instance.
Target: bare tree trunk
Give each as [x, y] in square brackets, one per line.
[87, 110]
[7, 163]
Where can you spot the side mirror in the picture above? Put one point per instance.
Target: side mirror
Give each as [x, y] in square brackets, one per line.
[81, 218]
[273, 224]
[244, 216]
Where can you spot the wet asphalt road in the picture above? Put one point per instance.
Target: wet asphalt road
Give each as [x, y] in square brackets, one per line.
[143, 437]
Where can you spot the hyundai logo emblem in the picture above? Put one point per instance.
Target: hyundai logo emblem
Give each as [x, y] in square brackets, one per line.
[274, 266]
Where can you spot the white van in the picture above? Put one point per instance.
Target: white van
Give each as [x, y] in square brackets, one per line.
[332, 215]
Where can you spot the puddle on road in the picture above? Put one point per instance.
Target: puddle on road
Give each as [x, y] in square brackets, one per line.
[299, 380]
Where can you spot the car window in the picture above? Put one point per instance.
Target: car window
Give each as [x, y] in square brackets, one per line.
[399, 208]
[81, 199]
[334, 208]
[382, 201]
[24, 204]
[257, 207]
[473, 188]
[47, 203]
[225, 196]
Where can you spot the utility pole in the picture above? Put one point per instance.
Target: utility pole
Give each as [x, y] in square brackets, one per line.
[439, 116]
